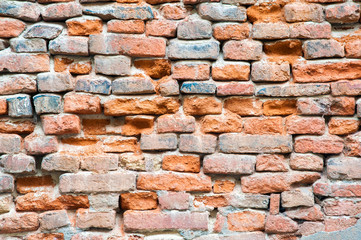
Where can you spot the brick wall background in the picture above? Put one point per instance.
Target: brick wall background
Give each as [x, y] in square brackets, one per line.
[179, 119]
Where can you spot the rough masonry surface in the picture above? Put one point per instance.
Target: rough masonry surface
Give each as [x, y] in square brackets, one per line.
[180, 119]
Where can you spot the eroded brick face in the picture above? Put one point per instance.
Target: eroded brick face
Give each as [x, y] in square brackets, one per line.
[179, 119]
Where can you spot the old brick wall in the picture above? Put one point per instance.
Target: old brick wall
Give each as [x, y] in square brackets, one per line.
[179, 119]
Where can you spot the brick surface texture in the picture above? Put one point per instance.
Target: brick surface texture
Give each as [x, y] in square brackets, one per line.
[179, 119]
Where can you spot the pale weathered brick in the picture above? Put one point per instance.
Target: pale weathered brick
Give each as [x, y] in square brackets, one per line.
[322, 49]
[101, 183]
[343, 168]
[205, 49]
[236, 143]
[229, 164]
[197, 144]
[165, 221]
[69, 46]
[222, 12]
[157, 142]
[242, 50]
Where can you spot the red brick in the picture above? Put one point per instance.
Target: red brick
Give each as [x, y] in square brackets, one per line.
[275, 202]
[337, 189]
[174, 200]
[271, 163]
[219, 224]
[202, 105]
[348, 88]
[3, 107]
[242, 50]
[126, 26]
[174, 182]
[11, 27]
[82, 104]
[156, 220]
[228, 122]
[18, 222]
[334, 207]
[227, 71]
[61, 124]
[322, 144]
[276, 182]
[46, 236]
[343, 13]
[326, 106]
[235, 88]
[310, 30]
[24, 63]
[306, 213]
[308, 161]
[183, 163]
[280, 224]
[352, 145]
[173, 11]
[266, 71]
[231, 31]
[126, 106]
[39, 145]
[352, 48]
[10, 143]
[303, 12]
[246, 221]
[191, 71]
[139, 201]
[17, 163]
[244, 106]
[344, 126]
[264, 125]
[339, 223]
[326, 72]
[161, 28]
[110, 44]
[305, 125]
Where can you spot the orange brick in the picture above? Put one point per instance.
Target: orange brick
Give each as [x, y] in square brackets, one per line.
[126, 26]
[264, 125]
[279, 107]
[139, 201]
[181, 163]
[84, 26]
[223, 186]
[244, 106]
